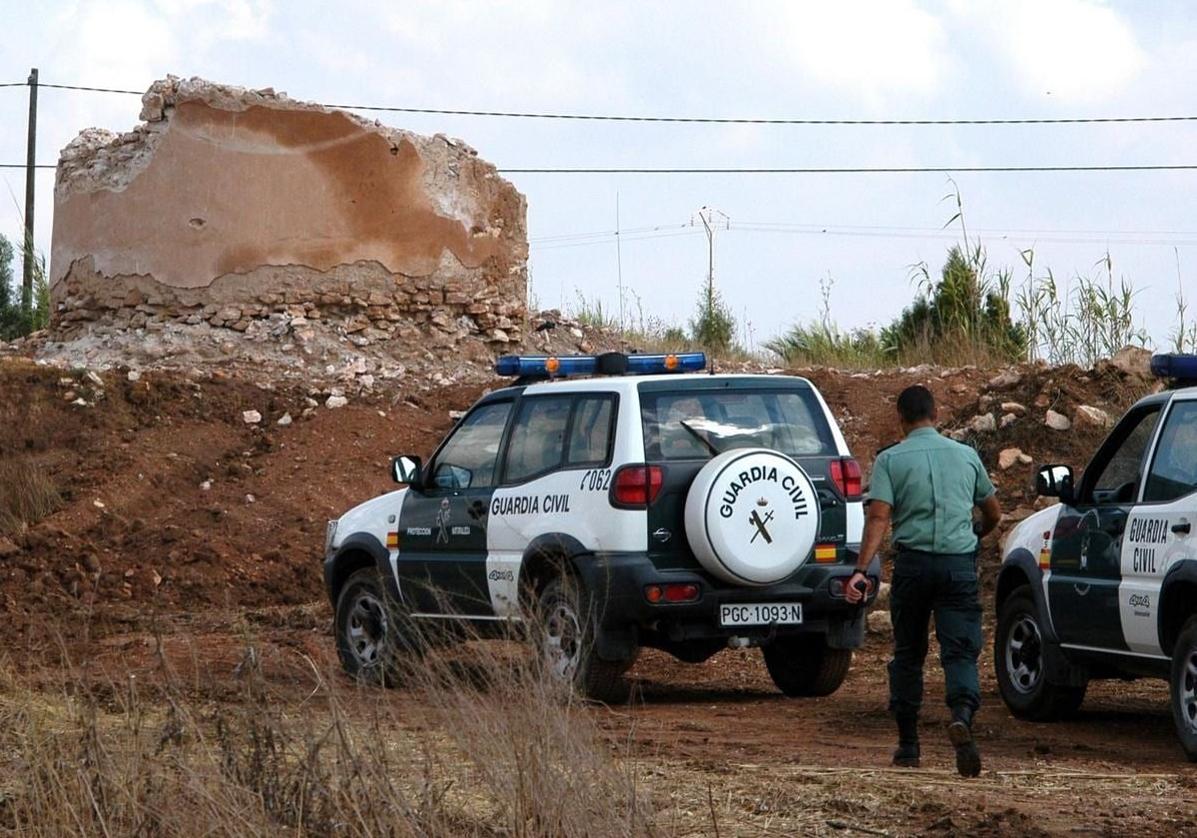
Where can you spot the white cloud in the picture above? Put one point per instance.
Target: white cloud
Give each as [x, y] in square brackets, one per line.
[1076, 50]
[231, 19]
[871, 48]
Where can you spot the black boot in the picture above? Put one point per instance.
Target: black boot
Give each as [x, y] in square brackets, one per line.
[907, 753]
[960, 732]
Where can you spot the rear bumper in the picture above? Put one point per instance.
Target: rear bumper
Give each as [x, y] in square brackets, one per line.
[616, 581]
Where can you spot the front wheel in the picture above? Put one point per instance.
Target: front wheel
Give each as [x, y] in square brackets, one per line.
[806, 666]
[1020, 664]
[1184, 688]
[367, 629]
[566, 644]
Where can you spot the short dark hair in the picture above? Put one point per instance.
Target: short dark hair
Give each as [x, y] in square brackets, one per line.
[915, 404]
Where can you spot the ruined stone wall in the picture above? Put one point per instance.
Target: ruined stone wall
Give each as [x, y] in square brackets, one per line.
[249, 211]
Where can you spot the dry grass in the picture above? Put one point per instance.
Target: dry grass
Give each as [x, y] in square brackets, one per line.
[475, 742]
[27, 495]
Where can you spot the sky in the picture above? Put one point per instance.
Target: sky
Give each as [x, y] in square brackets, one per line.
[850, 59]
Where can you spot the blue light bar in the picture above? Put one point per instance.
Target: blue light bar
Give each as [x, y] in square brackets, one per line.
[654, 364]
[612, 363]
[1174, 366]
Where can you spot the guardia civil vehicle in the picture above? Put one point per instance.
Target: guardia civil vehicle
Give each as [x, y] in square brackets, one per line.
[610, 503]
[1104, 583]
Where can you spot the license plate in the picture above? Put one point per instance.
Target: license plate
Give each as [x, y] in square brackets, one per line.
[761, 614]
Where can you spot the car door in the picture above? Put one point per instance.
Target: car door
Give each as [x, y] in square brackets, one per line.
[442, 539]
[1159, 532]
[554, 439]
[1086, 554]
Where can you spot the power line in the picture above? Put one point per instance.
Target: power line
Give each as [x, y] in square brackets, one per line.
[811, 170]
[703, 120]
[841, 170]
[770, 121]
[625, 239]
[91, 89]
[1184, 238]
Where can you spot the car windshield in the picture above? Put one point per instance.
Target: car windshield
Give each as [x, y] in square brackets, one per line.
[688, 425]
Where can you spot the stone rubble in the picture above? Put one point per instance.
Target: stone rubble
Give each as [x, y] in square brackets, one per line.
[1087, 415]
[1057, 421]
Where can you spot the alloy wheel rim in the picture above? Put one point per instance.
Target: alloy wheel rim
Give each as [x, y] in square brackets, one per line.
[366, 629]
[562, 641]
[1024, 654]
[1188, 691]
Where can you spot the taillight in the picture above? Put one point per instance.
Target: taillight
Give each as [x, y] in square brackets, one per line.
[845, 474]
[672, 592]
[635, 487]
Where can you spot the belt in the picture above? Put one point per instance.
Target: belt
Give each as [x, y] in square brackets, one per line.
[907, 552]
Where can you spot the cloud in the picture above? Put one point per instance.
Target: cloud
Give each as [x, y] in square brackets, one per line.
[872, 48]
[237, 20]
[1076, 50]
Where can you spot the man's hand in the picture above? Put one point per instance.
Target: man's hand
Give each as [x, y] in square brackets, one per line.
[853, 594]
[991, 515]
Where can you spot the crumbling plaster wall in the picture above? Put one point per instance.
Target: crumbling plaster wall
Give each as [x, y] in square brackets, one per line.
[227, 206]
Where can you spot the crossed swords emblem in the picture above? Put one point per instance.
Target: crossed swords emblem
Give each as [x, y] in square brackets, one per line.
[761, 532]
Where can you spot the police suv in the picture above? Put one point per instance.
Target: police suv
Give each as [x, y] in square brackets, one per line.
[609, 503]
[1104, 583]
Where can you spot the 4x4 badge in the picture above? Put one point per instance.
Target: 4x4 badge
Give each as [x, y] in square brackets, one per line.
[755, 518]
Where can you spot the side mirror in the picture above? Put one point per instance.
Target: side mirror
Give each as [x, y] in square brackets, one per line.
[1054, 481]
[405, 469]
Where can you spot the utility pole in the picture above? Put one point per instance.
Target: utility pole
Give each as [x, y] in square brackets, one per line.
[619, 264]
[30, 171]
[712, 220]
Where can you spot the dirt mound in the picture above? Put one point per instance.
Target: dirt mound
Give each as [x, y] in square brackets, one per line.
[160, 490]
[169, 495]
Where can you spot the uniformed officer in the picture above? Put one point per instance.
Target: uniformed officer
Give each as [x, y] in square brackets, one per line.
[927, 486]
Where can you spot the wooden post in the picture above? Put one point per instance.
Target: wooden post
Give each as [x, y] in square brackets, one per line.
[30, 172]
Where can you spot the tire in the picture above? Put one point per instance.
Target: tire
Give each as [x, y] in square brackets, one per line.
[754, 537]
[806, 666]
[367, 625]
[565, 636]
[1183, 685]
[1018, 660]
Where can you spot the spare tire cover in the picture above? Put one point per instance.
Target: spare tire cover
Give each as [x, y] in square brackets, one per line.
[752, 516]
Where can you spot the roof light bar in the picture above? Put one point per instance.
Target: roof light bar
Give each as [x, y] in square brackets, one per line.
[1174, 365]
[560, 366]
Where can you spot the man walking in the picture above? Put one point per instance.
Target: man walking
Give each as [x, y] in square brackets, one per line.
[927, 486]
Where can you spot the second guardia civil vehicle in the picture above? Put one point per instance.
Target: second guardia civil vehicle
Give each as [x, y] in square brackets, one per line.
[610, 503]
[1104, 583]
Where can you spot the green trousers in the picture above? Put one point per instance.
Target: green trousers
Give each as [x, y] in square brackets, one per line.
[946, 586]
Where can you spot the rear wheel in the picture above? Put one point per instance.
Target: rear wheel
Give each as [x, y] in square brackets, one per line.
[566, 644]
[1184, 688]
[368, 629]
[1018, 651]
[806, 666]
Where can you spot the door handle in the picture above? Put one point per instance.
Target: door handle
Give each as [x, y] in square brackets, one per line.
[1114, 527]
[1081, 590]
[477, 509]
[1183, 528]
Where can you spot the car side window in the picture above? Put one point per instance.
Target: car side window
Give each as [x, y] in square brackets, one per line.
[537, 441]
[1117, 480]
[469, 457]
[1174, 467]
[590, 433]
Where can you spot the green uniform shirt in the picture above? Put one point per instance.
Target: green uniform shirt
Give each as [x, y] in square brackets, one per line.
[932, 483]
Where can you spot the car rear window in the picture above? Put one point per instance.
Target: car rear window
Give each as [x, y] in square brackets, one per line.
[694, 424]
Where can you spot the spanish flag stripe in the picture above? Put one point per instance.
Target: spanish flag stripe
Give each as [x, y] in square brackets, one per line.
[825, 553]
